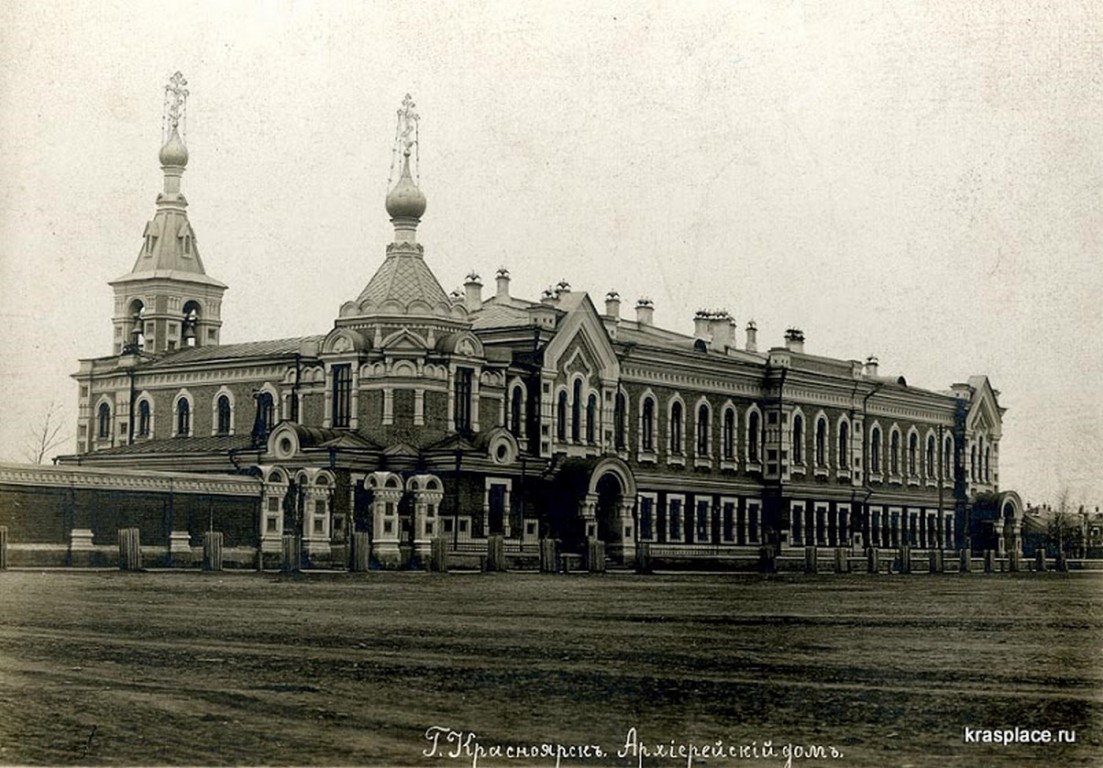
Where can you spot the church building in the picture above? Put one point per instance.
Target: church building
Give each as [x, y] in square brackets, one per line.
[423, 415]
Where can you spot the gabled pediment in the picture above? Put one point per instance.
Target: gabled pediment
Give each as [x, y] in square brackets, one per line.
[985, 414]
[583, 343]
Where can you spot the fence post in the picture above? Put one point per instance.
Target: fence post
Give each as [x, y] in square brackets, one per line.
[965, 560]
[130, 549]
[809, 559]
[361, 552]
[873, 558]
[905, 555]
[595, 556]
[989, 560]
[1040, 560]
[438, 555]
[767, 559]
[934, 561]
[291, 554]
[842, 560]
[212, 551]
[643, 557]
[3, 547]
[1062, 564]
[549, 556]
[1014, 563]
[495, 553]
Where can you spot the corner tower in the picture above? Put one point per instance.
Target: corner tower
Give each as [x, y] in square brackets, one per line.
[167, 301]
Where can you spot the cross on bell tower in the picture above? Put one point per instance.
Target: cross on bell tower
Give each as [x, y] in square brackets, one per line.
[167, 301]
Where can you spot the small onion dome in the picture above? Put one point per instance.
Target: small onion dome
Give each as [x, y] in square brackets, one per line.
[174, 152]
[405, 201]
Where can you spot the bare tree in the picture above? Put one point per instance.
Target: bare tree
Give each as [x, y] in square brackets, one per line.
[1064, 531]
[46, 435]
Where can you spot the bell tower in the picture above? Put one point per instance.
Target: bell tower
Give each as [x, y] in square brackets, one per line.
[167, 302]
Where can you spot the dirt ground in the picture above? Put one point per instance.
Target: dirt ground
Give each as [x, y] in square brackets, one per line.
[102, 668]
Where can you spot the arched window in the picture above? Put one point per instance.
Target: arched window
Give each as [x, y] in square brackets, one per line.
[973, 464]
[703, 419]
[676, 428]
[591, 418]
[754, 436]
[223, 415]
[576, 411]
[183, 417]
[987, 464]
[647, 426]
[620, 415]
[104, 432]
[464, 394]
[929, 464]
[515, 406]
[266, 415]
[948, 458]
[561, 417]
[894, 453]
[821, 442]
[843, 458]
[729, 434]
[798, 439]
[913, 454]
[143, 418]
[342, 395]
[875, 450]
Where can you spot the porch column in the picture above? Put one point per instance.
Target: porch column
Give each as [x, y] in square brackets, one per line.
[384, 509]
[587, 510]
[426, 520]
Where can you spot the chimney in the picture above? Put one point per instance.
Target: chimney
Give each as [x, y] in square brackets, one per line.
[612, 305]
[871, 365]
[794, 340]
[722, 328]
[701, 324]
[645, 311]
[503, 283]
[473, 292]
[752, 336]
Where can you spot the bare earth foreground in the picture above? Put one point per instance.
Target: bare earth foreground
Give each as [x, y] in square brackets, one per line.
[189, 668]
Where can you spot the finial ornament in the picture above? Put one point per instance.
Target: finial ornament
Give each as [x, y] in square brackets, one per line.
[176, 101]
[407, 124]
[405, 140]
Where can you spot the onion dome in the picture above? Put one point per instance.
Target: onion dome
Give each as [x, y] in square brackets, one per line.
[174, 152]
[406, 200]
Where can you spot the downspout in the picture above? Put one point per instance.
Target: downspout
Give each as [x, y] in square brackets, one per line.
[130, 420]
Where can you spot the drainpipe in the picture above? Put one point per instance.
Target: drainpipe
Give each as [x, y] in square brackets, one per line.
[130, 420]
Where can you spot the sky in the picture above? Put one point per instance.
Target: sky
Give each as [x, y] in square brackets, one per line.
[919, 183]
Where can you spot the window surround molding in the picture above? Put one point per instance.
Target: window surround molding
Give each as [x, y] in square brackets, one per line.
[821, 458]
[754, 463]
[702, 460]
[681, 518]
[798, 443]
[144, 397]
[675, 444]
[876, 452]
[183, 395]
[895, 451]
[648, 454]
[913, 455]
[729, 461]
[844, 428]
[222, 392]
